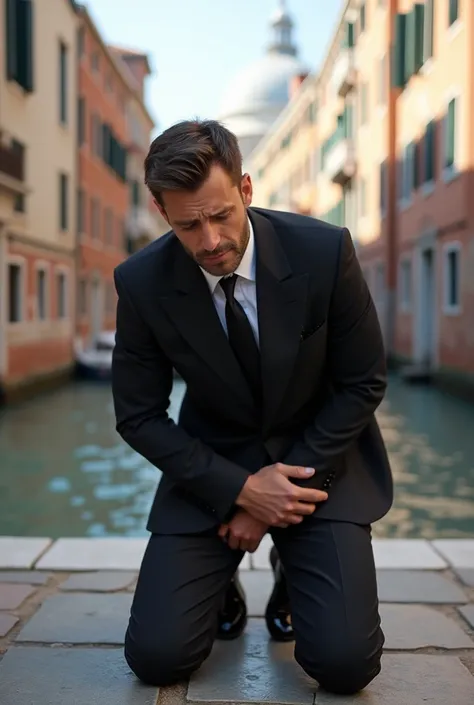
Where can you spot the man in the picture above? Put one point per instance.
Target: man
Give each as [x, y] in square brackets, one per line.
[267, 318]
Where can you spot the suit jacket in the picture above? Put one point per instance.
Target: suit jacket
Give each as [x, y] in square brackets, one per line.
[323, 376]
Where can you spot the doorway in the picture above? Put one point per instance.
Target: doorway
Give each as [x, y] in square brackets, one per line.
[97, 308]
[426, 309]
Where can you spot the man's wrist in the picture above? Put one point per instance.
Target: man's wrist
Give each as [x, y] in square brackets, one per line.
[245, 492]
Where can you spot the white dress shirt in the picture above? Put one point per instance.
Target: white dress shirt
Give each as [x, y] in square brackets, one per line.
[245, 287]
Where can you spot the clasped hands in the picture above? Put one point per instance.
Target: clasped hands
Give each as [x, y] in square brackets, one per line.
[268, 499]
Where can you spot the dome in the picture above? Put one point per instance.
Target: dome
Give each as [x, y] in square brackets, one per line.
[259, 93]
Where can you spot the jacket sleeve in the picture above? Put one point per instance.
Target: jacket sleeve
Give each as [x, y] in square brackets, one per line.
[357, 368]
[142, 379]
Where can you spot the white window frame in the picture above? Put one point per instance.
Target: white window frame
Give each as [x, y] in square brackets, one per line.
[43, 266]
[21, 262]
[450, 309]
[450, 173]
[405, 297]
[60, 269]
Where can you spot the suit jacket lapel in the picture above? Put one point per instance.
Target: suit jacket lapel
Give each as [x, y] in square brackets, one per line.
[192, 311]
[281, 302]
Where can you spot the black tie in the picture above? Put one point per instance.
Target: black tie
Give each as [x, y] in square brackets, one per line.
[241, 337]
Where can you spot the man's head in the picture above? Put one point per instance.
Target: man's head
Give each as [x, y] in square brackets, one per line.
[194, 173]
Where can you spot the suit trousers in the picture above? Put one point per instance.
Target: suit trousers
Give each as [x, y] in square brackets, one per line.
[331, 579]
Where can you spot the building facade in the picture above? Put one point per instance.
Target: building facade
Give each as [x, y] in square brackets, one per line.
[102, 195]
[37, 192]
[144, 222]
[393, 161]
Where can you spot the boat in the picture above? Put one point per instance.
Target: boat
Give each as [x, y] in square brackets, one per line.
[95, 361]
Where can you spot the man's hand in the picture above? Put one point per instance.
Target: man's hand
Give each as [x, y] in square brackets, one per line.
[270, 497]
[243, 532]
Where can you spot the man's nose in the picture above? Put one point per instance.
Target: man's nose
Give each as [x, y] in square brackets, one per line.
[210, 237]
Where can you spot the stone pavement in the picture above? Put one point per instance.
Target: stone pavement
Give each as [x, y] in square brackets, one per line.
[64, 607]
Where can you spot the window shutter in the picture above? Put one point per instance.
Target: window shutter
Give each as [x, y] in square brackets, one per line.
[25, 44]
[419, 10]
[398, 57]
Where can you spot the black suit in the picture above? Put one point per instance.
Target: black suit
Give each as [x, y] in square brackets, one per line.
[323, 370]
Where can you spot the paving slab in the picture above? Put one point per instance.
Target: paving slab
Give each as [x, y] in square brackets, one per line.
[257, 585]
[251, 669]
[465, 575]
[7, 622]
[421, 586]
[13, 595]
[30, 577]
[79, 619]
[458, 552]
[468, 614]
[112, 553]
[412, 680]
[259, 560]
[418, 626]
[101, 581]
[406, 554]
[70, 677]
[19, 552]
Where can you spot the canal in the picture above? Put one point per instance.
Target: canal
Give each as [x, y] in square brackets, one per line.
[65, 472]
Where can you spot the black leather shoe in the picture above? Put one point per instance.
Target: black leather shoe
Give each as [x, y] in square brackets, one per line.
[277, 614]
[233, 614]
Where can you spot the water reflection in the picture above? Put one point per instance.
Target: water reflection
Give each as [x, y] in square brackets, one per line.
[65, 471]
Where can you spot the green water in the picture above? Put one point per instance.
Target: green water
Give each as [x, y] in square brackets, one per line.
[65, 472]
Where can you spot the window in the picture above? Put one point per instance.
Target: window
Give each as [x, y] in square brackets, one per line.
[363, 17]
[452, 278]
[96, 135]
[15, 293]
[405, 285]
[95, 62]
[135, 193]
[63, 202]
[364, 101]
[41, 293]
[429, 152]
[428, 30]
[81, 42]
[82, 297]
[63, 87]
[109, 225]
[81, 121]
[95, 218]
[19, 42]
[450, 135]
[81, 207]
[453, 12]
[19, 203]
[61, 294]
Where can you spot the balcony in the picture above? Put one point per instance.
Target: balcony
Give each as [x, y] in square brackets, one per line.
[12, 166]
[340, 163]
[344, 72]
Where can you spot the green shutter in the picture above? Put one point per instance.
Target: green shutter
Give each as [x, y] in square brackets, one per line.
[398, 52]
[11, 40]
[430, 135]
[348, 36]
[410, 37]
[419, 11]
[453, 11]
[25, 44]
[428, 30]
[450, 134]
[416, 165]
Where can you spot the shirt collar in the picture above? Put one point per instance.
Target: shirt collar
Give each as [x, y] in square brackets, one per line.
[246, 268]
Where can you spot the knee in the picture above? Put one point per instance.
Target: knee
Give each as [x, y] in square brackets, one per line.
[160, 662]
[343, 669]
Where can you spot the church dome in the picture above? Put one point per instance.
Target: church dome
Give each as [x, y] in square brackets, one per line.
[259, 93]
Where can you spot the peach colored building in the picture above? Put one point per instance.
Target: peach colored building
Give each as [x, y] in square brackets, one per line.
[434, 114]
[394, 163]
[37, 192]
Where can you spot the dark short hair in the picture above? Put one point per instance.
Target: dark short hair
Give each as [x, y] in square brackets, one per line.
[182, 156]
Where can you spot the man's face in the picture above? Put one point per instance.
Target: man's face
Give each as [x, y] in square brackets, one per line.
[211, 223]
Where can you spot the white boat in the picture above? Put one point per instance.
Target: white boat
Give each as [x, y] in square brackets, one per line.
[95, 361]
